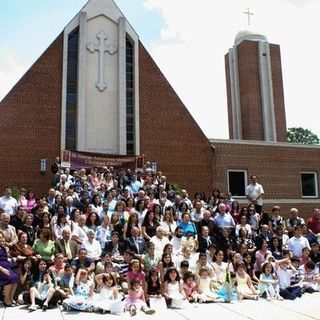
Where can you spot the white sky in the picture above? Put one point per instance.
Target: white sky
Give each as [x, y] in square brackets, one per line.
[189, 43]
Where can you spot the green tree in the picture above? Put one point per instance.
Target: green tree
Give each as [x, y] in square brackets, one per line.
[301, 135]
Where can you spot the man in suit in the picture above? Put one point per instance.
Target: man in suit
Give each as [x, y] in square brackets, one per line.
[136, 243]
[115, 247]
[66, 246]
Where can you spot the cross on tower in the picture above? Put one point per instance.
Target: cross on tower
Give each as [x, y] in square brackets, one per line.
[101, 48]
[249, 14]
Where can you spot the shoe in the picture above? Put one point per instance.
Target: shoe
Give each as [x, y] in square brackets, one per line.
[44, 307]
[66, 307]
[150, 311]
[32, 308]
[90, 309]
[7, 305]
[133, 310]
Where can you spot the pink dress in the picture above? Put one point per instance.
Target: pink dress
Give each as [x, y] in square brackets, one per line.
[136, 300]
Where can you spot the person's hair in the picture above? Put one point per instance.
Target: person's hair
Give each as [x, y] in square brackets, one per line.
[167, 245]
[202, 254]
[188, 275]
[310, 265]
[138, 203]
[204, 269]
[119, 202]
[96, 223]
[94, 197]
[272, 247]
[265, 265]
[183, 204]
[167, 277]
[60, 216]
[108, 276]
[67, 266]
[61, 205]
[134, 282]
[45, 232]
[28, 194]
[167, 264]
[132, 262]
[184, 264]
[20, 235]
[21, 268]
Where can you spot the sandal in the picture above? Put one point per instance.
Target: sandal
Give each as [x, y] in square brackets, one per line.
[150, 311]
[32, 308]
[133, 310]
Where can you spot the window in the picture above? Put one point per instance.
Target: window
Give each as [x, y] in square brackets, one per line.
[237, 182]
[309, 185]
[130, 96]
[72, 78]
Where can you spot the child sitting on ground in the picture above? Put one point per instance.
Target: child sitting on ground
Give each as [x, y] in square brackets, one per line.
[269, 284]
[135, 300]
[190, 287]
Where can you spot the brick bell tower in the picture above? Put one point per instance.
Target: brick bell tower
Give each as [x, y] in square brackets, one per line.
[255, 96]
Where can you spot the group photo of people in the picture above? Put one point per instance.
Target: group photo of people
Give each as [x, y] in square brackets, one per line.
[114, 241]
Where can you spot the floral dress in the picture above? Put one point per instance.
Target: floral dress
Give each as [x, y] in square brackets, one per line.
[80, 301]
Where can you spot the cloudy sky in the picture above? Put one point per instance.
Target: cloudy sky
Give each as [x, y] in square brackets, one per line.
[188, 40]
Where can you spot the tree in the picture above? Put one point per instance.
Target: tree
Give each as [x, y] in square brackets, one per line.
[301, 135]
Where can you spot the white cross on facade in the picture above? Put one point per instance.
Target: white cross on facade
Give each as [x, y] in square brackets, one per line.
[101, 48]
[249, 14]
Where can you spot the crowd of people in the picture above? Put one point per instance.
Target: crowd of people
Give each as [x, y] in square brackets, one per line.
[114, 241]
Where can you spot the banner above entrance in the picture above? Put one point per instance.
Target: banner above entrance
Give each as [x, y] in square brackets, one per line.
[78, 160]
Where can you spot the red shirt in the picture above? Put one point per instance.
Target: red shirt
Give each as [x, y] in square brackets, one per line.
[314, 225]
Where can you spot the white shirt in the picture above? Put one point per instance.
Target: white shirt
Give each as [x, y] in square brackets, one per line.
[254, 191]
[297, 244]
[159, 244]
[8, 204]
[93, 249]
[81, 233]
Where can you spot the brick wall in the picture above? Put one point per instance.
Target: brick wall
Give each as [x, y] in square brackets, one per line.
[277, 166]
[169, 134]
[30, 122]
[278, 95]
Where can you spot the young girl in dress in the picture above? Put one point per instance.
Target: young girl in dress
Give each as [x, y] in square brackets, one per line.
[165, 263]
[173, 290]
[82, 300]
[43, 292]
[153, 291]
[207, 286]
[245, 287]
[269, 284]
[247, 260]
[220, 267]
[135, 300]
[190, 287]
[135, 272]
[228, 291]
[107, 300]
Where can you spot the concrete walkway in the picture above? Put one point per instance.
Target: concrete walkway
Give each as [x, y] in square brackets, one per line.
[305, 308]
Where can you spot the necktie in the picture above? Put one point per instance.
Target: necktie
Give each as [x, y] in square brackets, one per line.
[68, 251]
[137, 244]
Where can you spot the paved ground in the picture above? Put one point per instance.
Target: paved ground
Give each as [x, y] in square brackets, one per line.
[306, 308]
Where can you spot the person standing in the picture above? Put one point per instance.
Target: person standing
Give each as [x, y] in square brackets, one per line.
[254, 193]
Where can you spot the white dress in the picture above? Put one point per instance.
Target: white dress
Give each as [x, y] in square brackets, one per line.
[204, 287]
[104, 301]
[176, 296]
